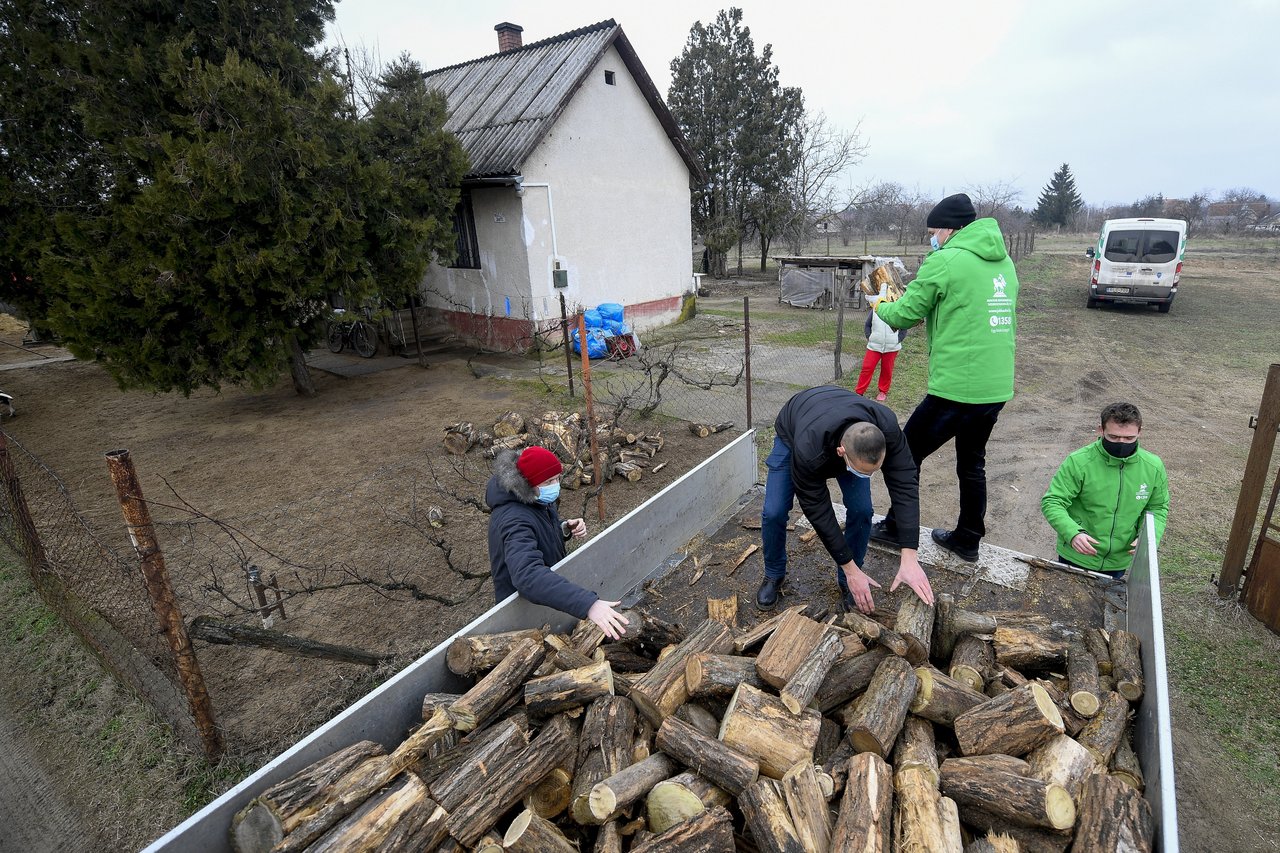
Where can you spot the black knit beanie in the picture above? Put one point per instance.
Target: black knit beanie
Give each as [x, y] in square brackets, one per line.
[954, 211]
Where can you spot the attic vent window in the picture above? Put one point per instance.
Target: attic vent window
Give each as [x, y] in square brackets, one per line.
[608, 79]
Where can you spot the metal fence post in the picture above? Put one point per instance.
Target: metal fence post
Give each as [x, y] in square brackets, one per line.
[839, 370]
[568, 349]
[32, 546]
[591, 414]
[746, 336]
[142, 534]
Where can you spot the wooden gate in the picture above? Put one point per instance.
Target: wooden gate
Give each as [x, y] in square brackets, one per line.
[1262, 583]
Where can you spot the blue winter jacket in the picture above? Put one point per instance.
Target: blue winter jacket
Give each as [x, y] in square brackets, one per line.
[525, 541]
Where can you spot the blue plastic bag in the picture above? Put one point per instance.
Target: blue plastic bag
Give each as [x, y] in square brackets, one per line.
[597, 347]
[610, 311]
[593, 319]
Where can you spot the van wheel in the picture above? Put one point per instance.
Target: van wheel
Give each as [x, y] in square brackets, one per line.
[1164, 307]
[1092, 303]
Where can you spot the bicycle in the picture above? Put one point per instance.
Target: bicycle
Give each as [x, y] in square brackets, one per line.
[360, 335]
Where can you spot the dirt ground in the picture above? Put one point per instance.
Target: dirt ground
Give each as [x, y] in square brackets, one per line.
[346, 468]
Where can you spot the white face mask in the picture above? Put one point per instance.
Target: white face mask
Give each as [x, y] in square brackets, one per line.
[933, 242]
[855, 472]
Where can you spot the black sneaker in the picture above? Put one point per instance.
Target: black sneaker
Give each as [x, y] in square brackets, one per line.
[767, 595]
[882, 532]
[946, 538]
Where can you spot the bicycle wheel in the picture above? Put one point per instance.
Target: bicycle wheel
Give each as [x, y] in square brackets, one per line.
[365, 339]
[335, 336]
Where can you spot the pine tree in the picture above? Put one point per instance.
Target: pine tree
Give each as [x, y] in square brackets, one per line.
[1059, 202]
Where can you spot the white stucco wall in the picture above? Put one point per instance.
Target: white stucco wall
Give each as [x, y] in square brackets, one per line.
[621, 197]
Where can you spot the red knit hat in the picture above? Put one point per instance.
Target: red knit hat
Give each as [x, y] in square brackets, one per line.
[538, 465]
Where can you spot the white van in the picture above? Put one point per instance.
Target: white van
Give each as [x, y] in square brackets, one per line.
[1138, 261]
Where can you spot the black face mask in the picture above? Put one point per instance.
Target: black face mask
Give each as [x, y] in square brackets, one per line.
[1120, 449]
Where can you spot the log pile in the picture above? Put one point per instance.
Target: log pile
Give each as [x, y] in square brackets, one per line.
[802, 733]
[624, 453]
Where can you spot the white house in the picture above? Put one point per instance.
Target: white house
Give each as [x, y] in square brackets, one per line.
[579, 185]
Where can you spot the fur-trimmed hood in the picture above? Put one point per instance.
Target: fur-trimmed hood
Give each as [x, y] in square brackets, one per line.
[508, 483]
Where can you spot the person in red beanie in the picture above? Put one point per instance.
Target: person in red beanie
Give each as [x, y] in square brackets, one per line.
[526, 538]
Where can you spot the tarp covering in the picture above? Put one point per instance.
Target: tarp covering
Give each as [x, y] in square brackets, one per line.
[807, 288]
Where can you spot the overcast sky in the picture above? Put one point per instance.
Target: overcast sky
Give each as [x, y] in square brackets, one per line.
[1173, 97]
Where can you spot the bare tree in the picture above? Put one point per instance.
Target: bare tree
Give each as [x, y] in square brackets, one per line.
[825, 153]
[995, 198]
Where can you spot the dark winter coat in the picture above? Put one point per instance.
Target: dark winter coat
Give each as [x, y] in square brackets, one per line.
[525, 540]
[812, 424]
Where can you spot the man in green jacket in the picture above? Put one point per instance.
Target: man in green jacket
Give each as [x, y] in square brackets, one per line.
[967, 292]
[1096, 500]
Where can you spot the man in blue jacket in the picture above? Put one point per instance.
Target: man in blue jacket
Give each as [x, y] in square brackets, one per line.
[526, 538]
[825, 433]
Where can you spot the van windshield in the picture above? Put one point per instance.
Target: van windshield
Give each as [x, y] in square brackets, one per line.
[1147, 247]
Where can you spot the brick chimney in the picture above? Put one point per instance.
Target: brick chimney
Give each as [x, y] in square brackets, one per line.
[509, 36]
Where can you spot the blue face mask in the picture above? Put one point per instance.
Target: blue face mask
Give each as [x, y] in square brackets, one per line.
[548, 494]
[933, 242]
[855, 472]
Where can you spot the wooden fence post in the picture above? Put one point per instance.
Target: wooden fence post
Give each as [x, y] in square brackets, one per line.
[1251, 485]
[746, 343]
[155, 574]
[591, 414]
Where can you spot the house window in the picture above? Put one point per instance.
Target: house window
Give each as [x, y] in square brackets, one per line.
[608, 78]
[464, 229]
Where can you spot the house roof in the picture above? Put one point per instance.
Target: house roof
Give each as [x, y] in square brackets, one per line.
[501, 106]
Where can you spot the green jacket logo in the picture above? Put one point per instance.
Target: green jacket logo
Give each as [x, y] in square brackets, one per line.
[1143, 493]
[1000, 284]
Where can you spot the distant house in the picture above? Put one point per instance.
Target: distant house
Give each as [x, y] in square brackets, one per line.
[579, 185]
[1231, 215]
[1269, 224]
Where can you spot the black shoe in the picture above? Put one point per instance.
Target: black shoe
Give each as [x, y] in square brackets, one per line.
[882, 532]
[767, 595]
[946, 538]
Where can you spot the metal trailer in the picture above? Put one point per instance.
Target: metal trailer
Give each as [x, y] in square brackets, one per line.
[638, 546]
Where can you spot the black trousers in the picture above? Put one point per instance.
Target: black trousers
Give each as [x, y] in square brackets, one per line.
[935, 422]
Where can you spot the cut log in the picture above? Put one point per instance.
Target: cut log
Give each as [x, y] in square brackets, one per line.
[829, 738]
[808, 806]
[573, 688]
[433, 702]
[553, 747]
[1062, 761]
[1126, 767]
[952, 622]
[670, 803]
[717, 676]
[709, 792]
[1102, 734]
[552, 795]
[629, 471]
[645, 629]
[789, 644]
[941, 698]
[875, 724]
[1082, 676]
[761, 631]
[1023, 800]
[916, 749]
[478, 652]
[864, 821]
[917, 825]
[699, 717]
[704, 430]
[812, 671]
[1126, 664]
[490, 842]
[213, 629]
[606, 746]
[608, 839]
[586, 637]
[1022, 648]
[530, 833]
[565, 657]
[915, 619]
[765, 810]
[712, 758]
[279, 810]
[1095, 639]
[994, 842]
[662, 689]
[952, 834]
[1014, 723]
[873, 632]
[709, 832]
[1072, 722]
[476, 762]
[757, 725]
[1025, 839]
[457, 443]
[503, 681]
[847, 679]
[401, 813]
[971, 660]
[724, 610]
[623, 659]
[609, 797]
[510, 423]
[1113, 816]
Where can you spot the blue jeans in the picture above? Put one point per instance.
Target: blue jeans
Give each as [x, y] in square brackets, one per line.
[779, 496]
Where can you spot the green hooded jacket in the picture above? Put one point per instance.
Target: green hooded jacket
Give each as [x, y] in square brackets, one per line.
[967, 291]
[1105, 497]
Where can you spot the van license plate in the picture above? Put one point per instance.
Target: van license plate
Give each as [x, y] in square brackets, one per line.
[1119, 290]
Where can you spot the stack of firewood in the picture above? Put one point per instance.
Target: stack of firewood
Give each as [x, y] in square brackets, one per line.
[623, 453]
[913, 731]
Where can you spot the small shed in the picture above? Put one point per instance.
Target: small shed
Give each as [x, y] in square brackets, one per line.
[812, 281]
